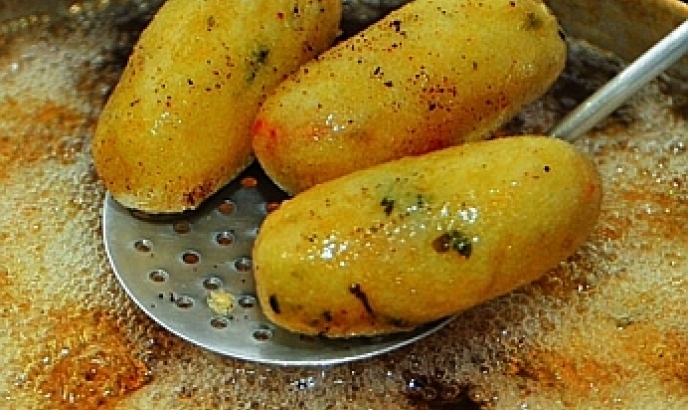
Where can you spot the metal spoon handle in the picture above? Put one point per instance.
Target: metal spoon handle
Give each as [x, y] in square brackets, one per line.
[608, 98]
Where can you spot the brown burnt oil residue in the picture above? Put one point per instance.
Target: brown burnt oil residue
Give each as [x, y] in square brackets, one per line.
[432, 393]
[93, 366]
[564, 370]
[20, 116]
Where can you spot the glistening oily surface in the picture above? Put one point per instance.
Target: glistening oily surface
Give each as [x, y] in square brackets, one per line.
[605, 330]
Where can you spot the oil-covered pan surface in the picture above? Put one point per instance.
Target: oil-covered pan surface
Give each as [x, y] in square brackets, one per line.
[604, 330]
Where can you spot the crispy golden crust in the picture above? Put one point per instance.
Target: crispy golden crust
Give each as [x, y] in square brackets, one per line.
[414, 240]
[430, 75]
[177, 127]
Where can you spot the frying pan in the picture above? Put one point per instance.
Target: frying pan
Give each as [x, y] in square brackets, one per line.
[604, 330]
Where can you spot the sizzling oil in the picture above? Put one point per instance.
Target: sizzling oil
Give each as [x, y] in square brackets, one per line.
[605, 330]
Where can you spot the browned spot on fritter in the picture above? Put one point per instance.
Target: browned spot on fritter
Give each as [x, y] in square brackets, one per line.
[199, 194]
[87, 363]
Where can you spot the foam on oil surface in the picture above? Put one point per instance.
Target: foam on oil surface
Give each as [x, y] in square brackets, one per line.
[606, 330]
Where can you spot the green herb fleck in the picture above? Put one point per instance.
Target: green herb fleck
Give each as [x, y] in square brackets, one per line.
[454, 240]
[533, 22]
[421, 201]
[257, 61]
[388, 205]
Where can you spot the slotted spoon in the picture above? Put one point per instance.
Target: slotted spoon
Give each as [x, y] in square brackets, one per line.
[192, 273]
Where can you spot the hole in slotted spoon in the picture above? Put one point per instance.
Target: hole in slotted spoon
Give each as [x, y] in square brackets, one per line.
[212, 283]
[224, 238]
[226, 207]
[243, 264]
[191, 257]
[263, 334]
[248, 302]
[143, 245]
[184, 302]
[158, 275]
[219, 322]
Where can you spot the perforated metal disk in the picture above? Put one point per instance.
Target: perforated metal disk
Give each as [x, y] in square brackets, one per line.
[192, 274]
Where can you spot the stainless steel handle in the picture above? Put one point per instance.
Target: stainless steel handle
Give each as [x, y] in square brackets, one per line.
[608, 98]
